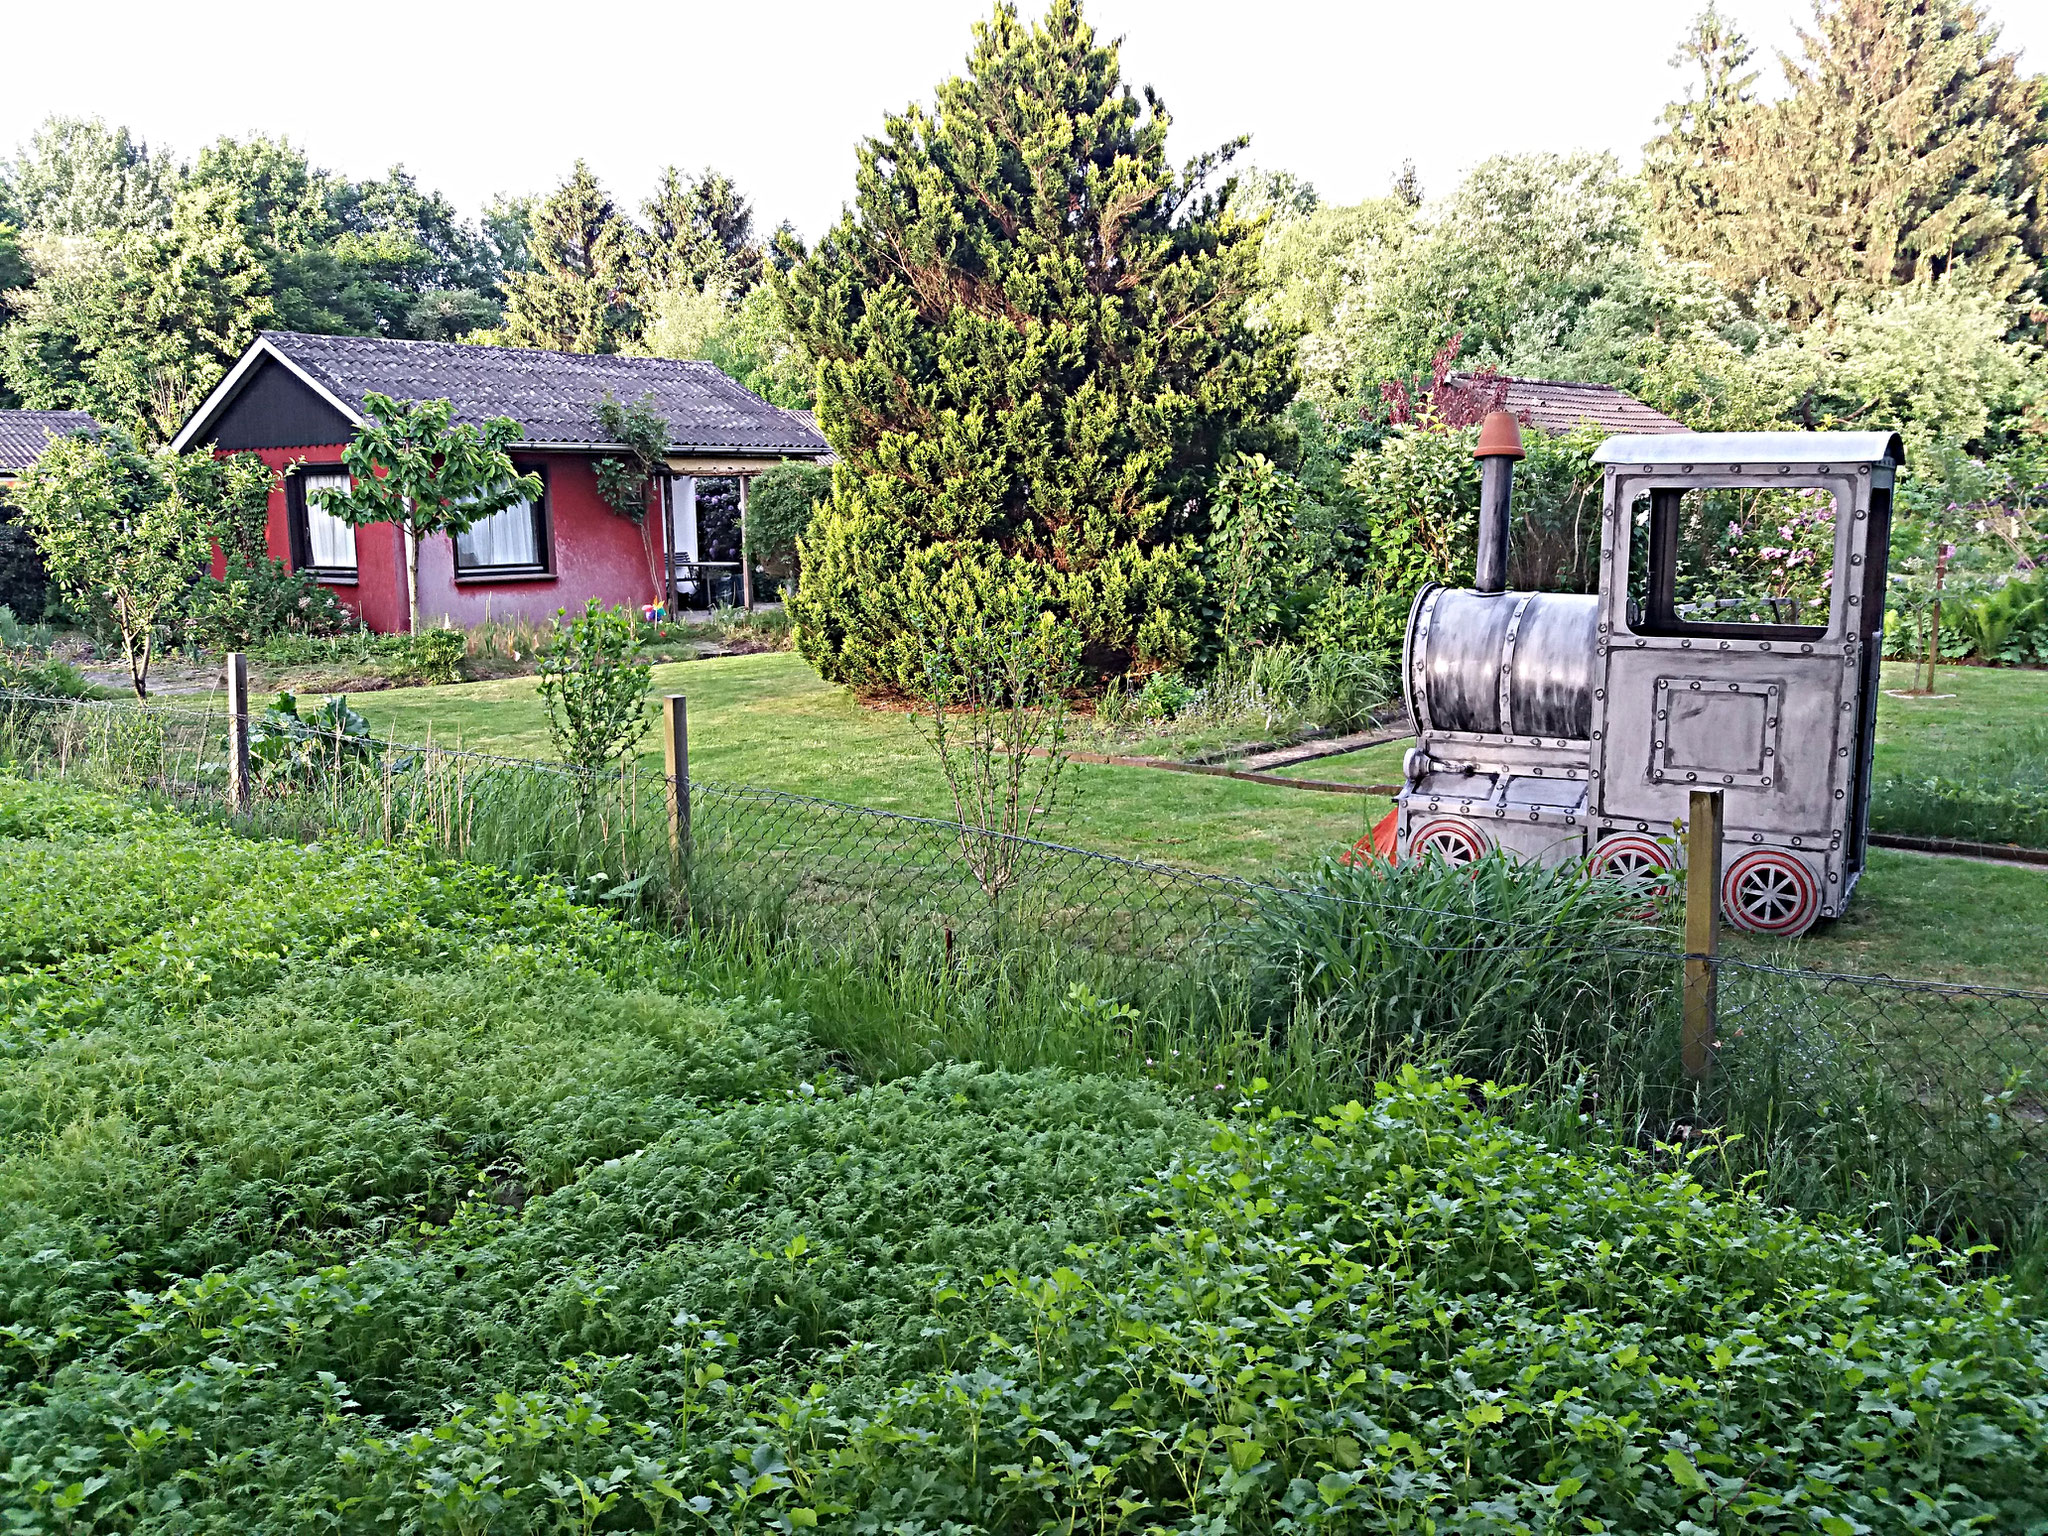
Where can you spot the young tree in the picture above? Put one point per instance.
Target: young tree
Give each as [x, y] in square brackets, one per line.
[125, 534]
[581, 292]
[1032, 348]
[411, 465]
[992, 704]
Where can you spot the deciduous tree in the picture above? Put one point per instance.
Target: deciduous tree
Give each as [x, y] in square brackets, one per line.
[125, 534]
[411, 465]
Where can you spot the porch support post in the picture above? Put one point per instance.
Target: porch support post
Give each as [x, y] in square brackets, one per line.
[746, 551]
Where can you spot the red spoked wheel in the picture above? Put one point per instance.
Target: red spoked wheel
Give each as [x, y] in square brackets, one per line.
[1634, 861]
[1452, 840]
[1631, 856]
[1378, 845]
[1769, 891]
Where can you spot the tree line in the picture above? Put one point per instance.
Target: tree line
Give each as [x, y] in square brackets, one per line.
[130, 281]
[1186, 409]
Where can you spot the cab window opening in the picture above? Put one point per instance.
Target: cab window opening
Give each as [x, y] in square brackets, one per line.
[1749, 561]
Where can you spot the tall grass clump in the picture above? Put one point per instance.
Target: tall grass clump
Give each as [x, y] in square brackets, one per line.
[1505, 968]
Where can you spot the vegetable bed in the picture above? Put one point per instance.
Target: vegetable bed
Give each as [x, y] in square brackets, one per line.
[349, 1190]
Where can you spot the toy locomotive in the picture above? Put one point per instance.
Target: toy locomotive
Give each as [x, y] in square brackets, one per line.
[1733, 644]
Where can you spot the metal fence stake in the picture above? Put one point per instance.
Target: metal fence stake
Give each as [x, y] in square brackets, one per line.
[238, 732]
[675, 739]
[1702, 933]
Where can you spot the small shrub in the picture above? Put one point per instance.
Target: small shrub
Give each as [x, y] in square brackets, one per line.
[594, 685]
[779, 507]
[288, 747]
[433, 656]
[251, 602]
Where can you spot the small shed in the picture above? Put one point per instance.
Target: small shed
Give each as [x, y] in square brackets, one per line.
[296, 400]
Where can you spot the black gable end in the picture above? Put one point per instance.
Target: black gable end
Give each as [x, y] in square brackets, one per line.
[275, 409]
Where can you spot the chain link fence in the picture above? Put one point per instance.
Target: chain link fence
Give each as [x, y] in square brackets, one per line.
[1929, 1100]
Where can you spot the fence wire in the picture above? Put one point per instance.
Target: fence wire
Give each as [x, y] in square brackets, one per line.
[1928, 1097]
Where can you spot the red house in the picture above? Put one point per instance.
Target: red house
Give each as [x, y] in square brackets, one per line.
[296, 400]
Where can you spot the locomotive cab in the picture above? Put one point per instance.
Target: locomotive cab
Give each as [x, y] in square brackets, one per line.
[1733, 644]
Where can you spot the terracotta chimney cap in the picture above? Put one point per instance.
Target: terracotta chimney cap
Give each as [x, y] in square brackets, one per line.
[1500, 437]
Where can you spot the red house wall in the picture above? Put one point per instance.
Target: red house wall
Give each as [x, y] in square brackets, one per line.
[597, 553]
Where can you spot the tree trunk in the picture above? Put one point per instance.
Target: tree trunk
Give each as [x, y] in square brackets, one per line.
[412, 580]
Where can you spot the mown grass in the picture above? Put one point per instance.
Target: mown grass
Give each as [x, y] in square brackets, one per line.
[362, 1190]
[768, 720]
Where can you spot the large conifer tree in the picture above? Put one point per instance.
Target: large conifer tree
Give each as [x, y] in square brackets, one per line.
[581, 290]
[1907, 147]
[1032, 348]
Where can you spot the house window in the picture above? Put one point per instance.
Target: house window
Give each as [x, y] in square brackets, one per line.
[513, 542]
[321, 542]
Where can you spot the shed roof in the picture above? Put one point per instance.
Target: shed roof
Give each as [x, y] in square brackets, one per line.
[25, 434]
[554, 396]
[1558, 406]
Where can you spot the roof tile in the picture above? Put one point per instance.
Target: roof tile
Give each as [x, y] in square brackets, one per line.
[553, 395]
[25, 434]
[1558, 406]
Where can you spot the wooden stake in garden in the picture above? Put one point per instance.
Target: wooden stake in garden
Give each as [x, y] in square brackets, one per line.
[1702, 934]
[238, 732]
[675, 738]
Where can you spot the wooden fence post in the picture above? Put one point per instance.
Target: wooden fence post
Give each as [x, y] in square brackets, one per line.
[1702, 933]
[675, 739]
[238, 732]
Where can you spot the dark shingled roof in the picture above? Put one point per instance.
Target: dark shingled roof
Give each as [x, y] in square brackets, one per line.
[1557, 406]
[25, 434]
[553, 395]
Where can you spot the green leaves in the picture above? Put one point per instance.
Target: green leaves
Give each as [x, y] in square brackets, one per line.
[1032, 348]
[413, 465]
[594, 685]
[125, 535]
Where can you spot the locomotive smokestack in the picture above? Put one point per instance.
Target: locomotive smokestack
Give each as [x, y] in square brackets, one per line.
[1500, 444]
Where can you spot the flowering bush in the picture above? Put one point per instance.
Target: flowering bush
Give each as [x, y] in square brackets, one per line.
[1772, 562]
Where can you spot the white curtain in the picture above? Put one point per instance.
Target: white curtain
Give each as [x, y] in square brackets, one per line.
[502, 539]
[331, 542]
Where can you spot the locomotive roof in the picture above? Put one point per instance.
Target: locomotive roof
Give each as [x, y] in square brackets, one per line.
[1753, 449]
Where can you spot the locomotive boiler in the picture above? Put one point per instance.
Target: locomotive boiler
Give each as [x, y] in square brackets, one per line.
[1733, 644]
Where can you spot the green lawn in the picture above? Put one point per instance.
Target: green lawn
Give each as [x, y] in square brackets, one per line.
[768, 720]
[1918, 737]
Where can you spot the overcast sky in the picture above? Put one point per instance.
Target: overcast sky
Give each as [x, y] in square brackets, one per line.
[477, 99]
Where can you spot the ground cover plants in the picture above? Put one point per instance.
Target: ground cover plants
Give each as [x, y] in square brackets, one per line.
[357, 1189]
